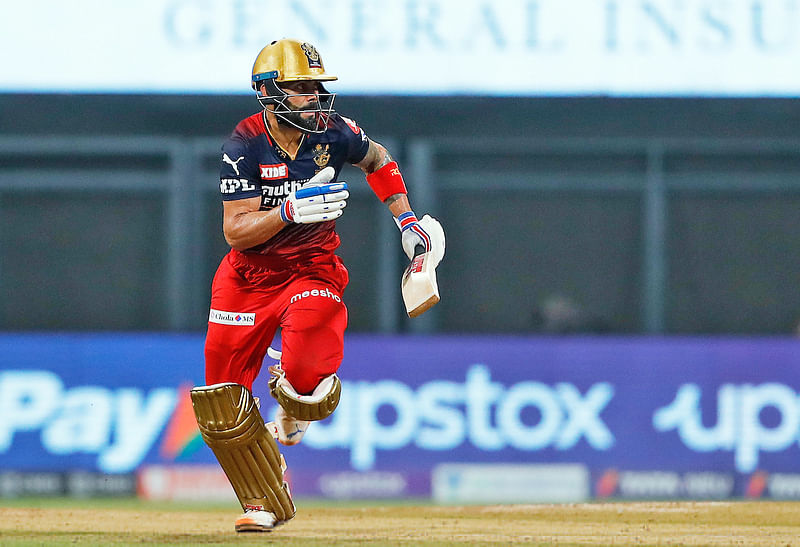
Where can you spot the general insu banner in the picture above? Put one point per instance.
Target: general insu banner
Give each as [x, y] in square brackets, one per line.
[411, 47]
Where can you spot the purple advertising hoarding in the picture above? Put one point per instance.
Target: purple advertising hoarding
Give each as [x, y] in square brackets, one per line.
[626, 408]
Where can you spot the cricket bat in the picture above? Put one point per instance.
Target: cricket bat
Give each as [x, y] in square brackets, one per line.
[419, 287]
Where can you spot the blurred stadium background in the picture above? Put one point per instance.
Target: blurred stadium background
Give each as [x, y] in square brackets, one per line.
[619, 181]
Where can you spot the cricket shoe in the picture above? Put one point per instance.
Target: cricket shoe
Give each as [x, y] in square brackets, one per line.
[256, 520]
[289, 431]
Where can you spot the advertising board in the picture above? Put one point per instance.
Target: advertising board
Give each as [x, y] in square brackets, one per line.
[646, 416]
[410, 47]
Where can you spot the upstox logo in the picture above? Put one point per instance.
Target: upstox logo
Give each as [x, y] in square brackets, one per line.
[741, 425]
[442, 415]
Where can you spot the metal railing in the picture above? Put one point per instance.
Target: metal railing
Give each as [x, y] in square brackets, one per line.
[174, 166]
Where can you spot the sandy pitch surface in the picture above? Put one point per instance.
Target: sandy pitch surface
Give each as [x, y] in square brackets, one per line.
[656, 523]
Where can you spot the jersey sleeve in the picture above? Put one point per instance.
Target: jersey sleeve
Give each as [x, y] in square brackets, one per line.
[357, 141]
[239, 177]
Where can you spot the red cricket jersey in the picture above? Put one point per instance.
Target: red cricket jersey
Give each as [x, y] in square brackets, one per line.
[254, 165]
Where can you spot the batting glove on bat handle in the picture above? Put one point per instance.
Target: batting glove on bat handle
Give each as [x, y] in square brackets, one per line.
[413, 235]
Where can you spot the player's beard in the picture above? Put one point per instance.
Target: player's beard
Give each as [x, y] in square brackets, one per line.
[291, 116]
[295, 119]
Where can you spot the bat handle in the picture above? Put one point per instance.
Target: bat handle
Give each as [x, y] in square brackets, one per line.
[419, 249]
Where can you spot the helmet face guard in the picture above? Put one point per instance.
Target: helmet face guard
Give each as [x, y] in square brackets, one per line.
[285, 61]
[322, 108]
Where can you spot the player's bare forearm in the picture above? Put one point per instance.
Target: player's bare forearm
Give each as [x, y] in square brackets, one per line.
[245, 226]
[398, 204]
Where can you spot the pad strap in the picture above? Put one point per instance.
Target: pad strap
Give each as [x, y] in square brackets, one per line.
[317, 406]
[387, 181]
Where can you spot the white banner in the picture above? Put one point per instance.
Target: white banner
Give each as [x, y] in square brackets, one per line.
[508, 47]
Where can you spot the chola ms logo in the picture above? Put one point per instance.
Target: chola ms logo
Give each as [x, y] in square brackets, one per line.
[231, 318]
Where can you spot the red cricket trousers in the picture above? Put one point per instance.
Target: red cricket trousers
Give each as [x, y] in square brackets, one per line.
[253, 295]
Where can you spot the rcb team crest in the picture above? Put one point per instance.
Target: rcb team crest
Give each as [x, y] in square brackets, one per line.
[312, 55]
[322, 155]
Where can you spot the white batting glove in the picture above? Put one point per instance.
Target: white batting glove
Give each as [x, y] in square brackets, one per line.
[426, 233]
[316, 201]
[434, 229]
[412, 234]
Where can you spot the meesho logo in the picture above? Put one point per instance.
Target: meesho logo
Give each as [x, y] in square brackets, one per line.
[118, 425]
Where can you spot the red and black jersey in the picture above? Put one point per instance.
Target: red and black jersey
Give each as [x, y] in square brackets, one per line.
[254, 165]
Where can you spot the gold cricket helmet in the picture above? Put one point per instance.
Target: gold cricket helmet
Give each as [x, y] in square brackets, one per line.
[289, 60]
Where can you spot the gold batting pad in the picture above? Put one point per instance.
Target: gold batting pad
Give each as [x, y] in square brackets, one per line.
[232, 427]
[317, 406]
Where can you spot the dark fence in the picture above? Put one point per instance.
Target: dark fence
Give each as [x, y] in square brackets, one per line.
[115, 229]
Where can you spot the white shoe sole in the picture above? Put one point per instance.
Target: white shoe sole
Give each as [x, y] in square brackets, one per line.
[247, 523]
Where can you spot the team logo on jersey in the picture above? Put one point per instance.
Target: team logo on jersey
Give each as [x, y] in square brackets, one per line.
[234, 164]
[322, 155]
[274, 171]
[352, 125]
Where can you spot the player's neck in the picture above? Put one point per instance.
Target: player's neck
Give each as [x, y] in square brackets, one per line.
[287, 137]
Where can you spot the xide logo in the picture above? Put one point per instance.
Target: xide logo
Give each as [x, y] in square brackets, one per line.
[739, 427]
[441, 415]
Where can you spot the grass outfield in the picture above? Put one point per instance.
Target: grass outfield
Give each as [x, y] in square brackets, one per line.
[132, 522]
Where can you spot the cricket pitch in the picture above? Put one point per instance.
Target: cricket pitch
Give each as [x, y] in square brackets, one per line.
[645, 523]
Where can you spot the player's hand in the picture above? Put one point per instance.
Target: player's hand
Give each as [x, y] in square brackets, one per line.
[412, 233]
[316, 200]
[426, 232]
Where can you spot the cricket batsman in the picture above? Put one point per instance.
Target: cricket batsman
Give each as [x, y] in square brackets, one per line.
[281, 196]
